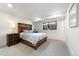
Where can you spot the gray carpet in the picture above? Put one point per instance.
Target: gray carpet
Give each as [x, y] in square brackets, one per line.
[49, 48]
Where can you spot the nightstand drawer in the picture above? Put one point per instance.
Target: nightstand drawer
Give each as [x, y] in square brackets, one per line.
[15, 40]
[13, 36]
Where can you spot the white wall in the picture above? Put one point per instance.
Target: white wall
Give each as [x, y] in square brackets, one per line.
[6, 21]
[72, 34]
[52, 34]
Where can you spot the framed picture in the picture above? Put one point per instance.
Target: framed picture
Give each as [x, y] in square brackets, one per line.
[50, 25]
[73, 21]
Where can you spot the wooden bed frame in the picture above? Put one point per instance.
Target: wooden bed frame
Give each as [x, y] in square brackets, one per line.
[21, 27]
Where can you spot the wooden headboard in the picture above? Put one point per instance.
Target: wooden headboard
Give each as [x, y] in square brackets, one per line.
[22, 26]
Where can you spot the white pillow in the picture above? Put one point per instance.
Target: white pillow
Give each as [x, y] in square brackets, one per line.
[25, 31]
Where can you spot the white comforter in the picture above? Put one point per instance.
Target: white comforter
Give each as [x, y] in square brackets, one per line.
[32, 37]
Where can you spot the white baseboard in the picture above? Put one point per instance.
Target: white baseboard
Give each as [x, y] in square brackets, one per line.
[72, 51]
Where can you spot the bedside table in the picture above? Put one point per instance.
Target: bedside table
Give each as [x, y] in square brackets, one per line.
[12, 39]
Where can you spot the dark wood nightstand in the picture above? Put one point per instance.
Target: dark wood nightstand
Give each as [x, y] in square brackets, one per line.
[12, 39]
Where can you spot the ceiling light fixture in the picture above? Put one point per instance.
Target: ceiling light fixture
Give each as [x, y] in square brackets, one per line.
[10, 5]
[56, 15]
[37, 19]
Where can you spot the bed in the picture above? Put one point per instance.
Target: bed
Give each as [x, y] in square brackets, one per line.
[31, 39]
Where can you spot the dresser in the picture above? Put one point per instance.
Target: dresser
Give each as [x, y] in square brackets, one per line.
[12, 39]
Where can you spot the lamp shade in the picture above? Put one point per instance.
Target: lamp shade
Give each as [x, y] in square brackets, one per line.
[13, 25]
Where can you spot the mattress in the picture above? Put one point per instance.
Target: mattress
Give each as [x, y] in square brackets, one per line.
[32, 37]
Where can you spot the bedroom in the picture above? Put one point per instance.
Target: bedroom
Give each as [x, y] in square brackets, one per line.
[17, 19]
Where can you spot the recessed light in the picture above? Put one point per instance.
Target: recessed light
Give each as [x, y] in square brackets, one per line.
[10, 5]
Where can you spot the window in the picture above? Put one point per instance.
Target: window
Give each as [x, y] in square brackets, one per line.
[50, 25]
